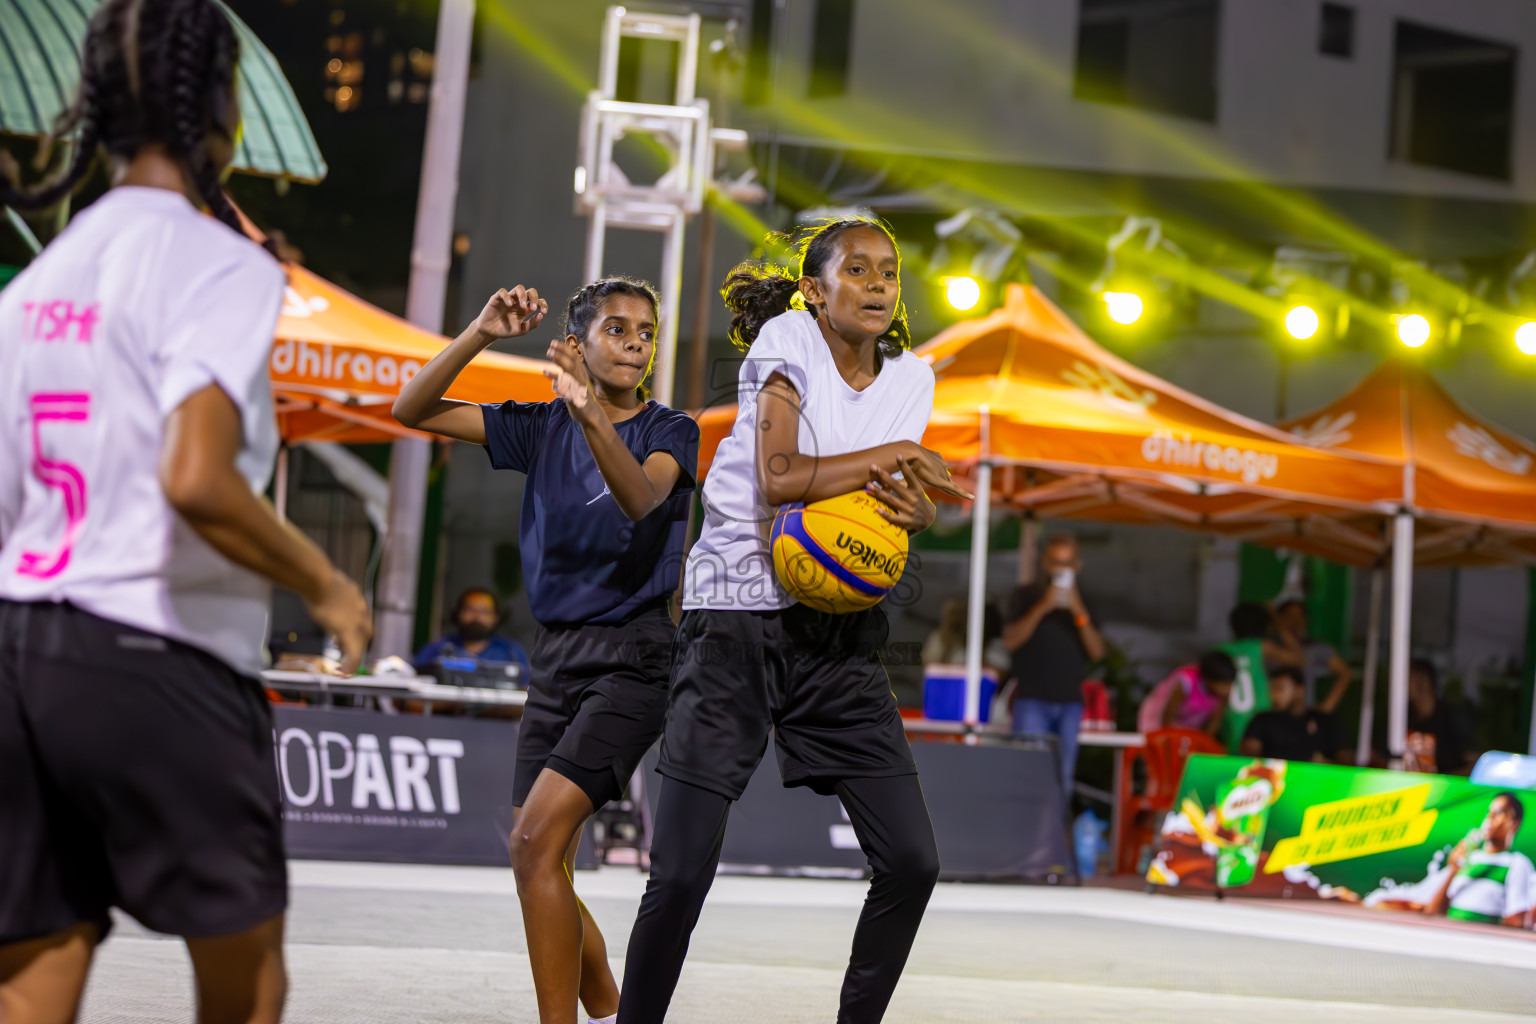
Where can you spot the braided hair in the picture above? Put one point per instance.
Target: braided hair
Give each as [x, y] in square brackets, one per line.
[586, 305]
[756, 292]
[153, 72]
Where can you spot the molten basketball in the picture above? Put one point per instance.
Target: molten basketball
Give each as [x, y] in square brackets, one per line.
[838, 555]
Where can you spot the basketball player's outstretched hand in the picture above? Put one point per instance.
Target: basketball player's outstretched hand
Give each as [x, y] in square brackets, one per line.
[569, 376]
[511, 314]
[933, 471]
[342, 612]
[906, 504]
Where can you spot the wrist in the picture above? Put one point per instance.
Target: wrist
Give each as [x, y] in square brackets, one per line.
[586, 414]
[318, 576]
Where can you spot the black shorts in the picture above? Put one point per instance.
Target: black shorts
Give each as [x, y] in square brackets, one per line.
[138, 773]
[596, 703]
[814, 677]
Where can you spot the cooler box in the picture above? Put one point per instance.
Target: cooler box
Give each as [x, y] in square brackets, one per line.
[944, 693]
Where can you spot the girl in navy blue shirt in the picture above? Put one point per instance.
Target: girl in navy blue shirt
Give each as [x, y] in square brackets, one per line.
[604, 519]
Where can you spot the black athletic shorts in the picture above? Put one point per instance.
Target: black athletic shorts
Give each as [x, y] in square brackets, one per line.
[135, 772]
[814, 677]
[596, 703]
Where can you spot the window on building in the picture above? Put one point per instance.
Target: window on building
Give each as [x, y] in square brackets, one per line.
[1453, 101]
[1336, 33]
[1159, 55]
[831, 44]
[759, 84]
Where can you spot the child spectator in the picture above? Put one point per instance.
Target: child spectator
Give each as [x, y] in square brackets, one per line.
[1192, 697]
[1290, 731]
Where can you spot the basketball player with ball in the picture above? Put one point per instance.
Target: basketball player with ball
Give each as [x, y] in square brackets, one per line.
[832, 406]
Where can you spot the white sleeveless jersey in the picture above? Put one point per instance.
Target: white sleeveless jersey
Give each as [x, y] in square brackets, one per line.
[140, 302]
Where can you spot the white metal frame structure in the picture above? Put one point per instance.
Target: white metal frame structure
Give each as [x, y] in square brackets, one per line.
[684, 134]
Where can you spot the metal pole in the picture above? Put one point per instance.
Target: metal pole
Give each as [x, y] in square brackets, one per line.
[1402, 610]
[597, 230]
[410, 460]
[981, 518]
[701, 306]
[671, 308]
[1372, 664]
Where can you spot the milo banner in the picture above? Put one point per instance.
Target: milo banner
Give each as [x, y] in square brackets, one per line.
[360, 785]
[1392, 841]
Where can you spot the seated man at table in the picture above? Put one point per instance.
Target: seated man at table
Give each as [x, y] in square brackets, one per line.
[1290, 731]
[476, 617]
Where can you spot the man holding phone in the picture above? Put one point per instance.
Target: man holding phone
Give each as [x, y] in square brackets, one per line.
[1054, 642]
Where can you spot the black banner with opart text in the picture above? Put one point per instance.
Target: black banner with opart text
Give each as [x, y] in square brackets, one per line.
[360, 785]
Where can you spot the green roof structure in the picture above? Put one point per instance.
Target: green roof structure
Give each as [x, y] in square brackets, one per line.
[40, 42]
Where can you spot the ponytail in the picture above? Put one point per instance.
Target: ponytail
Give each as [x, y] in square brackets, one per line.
[204, 53]
[757, 292]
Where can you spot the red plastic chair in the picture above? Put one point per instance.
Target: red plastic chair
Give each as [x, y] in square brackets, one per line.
[1165, 753]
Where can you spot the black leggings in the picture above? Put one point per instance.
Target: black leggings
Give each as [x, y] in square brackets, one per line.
[891, 821]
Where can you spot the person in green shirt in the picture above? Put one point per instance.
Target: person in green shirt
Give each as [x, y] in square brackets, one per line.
[1252, 649]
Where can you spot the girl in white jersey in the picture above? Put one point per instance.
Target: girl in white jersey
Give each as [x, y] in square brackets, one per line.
[136, 433]
[831, 400]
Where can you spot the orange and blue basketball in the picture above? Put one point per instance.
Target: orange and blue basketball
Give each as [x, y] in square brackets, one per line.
[839, 555]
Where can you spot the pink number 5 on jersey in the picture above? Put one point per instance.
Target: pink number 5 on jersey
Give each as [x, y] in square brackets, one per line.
[69, 407]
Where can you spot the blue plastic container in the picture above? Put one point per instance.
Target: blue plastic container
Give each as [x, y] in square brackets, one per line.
[944, 694]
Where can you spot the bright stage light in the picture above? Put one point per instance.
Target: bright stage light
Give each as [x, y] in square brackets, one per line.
[1525, 337]
[1301, 322]
[1412, 330]
[962, 292]
[1124, 307]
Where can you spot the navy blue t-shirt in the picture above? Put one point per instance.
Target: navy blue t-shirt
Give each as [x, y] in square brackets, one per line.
[583, 559]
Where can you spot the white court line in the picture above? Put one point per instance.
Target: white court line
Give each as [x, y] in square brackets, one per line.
[1228, 918]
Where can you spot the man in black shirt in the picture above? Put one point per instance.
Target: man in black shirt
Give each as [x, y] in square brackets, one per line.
[1290, 731]
[1053, 642]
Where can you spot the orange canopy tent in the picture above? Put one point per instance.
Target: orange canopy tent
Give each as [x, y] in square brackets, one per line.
[1471, 485]
[1467, 497]
[338, 363]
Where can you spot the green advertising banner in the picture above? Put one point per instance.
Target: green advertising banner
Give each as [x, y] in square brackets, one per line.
[1393, 841]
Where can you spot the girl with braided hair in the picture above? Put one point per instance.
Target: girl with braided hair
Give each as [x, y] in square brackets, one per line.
[604, 519]
[830, 401]
[136, 556]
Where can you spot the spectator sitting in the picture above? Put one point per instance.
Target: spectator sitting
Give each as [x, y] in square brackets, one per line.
[1289, 731]
[946, 644]
[1439, 735]
[1192, 697]
[476, 617]
[1319, 659]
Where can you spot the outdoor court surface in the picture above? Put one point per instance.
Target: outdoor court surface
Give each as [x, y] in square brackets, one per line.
[381, 944]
